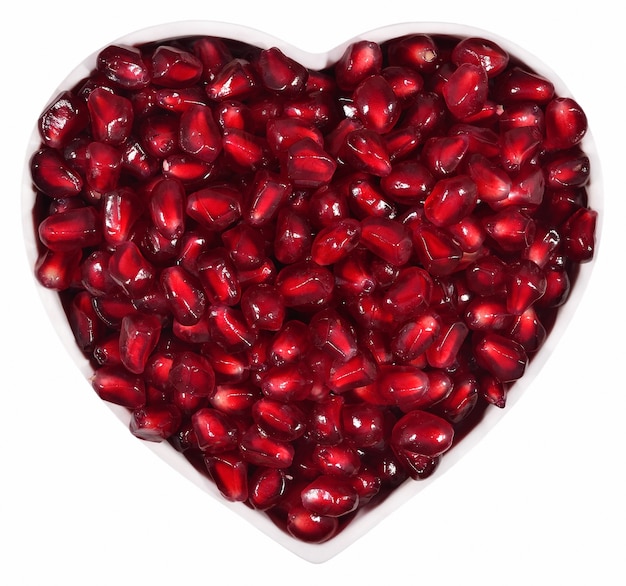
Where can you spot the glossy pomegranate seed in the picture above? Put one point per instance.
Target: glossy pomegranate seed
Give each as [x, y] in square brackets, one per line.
[501, 356]
[356, 372]
[124, 66]
[58, 270]
[236, 80]
[438, 253]
[465, 92]
[415, 336]
[443, 352]
[333, 334]
[305, 285]
[185, 295]
[70, 230]
[366, 199]
[267, 488]
[116, 385]
[490, 56]
[330, 496]
[387, 239]
[261, 450]
[281, 74]
[290, 343]
[422, 433]
[578, 235]
[566, 123]
[155, 423]
[519, 85]
[214, 431]
[139, 336]
[512, 228]
[418, 50]
[335, 242]
[403, 386]
[199, 135]
[111, 116]
[376, 104]
[310, 527]
[173, 67]
[53, 176]
[215, 208]
[450, 200]
[307, 165]
[360, 60]
[409, 182]
[63, 120]
[366, 151]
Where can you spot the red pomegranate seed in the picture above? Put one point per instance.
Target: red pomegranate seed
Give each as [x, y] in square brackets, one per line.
[310, 527]
[409, 182]
[57, 270]
[260, 450]
[307, 165]
[305, 285]
[290, 344]
[111, 116]
[483, 52]
[281, 421]
[53, 176]
[215, 431]
[63, 120]
[415, 336]
[124, 66]
[116, 385]
[281, 74]
[71, 230]
[267, 488]
[376, 104]
[235, 80]
[465, 92]
[450, 200]
[517, 84]
[185, 295]
[525, 285]
[155, 423]
[139, 336]
[330, 496]
[342, 267]
[360, 60]
[215, 208]
[566, 123]
[501, 356]
[173, 67]
[230, 473]
[387, 239]
[199, 135]
[366, 151]
[438, 253]
[423, 433]
[418, 50]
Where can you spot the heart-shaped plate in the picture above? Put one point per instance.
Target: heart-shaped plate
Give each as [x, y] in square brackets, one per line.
[367, 518]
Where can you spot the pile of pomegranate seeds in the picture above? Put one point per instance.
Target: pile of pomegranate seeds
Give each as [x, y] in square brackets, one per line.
[311, 283]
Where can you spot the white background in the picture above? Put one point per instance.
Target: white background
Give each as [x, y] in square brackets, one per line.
[539, 501]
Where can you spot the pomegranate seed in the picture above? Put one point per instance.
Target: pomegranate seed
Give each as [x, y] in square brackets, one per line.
[290, 343]
[501, 356]
[267, 488]
[53, 176]
[230, 473]
[578, 235]
[111, 116]
[450, 200]
[360, 60]
[139, 336]
[365, 150]
[387, 239]
[493, 183]
[443, 352]
[418, 50]
[214, 431]
[173, 67]
[159, 134]
[423, 433]
[155, 423]
[519, 85]
[438, 253]
[305, 285]
[335, 242]
[235, 80]
[280, 421]
[330, 496]
[199, 135]
[261, 450]
[124, 66]
[307, 164]
[403, 386]
[281, 74]
[355, 372]
[116, 385]
[566, 123]
[310, 527]
[333, 334]
[185, 295]
[57, 270]
[215, 208]
[365, 199]
[376, 104]
[71, 230]
[63, 120]
[269, 193]
[465, 92]
[408, 183]
[414, 337]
